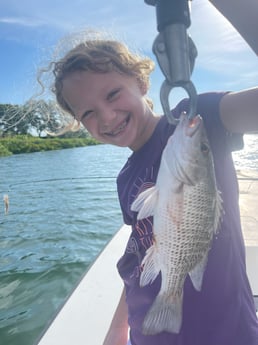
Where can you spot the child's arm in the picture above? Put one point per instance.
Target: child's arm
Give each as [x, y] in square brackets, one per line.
[118, 331]
[239, 111]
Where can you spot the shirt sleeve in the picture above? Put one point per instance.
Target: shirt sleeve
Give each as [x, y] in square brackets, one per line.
[208, 108]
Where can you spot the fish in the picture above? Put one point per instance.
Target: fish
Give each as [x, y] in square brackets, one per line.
[187, 207]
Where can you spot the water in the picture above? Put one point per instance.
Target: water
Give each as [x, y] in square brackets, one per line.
[248, 157]
[63, 210]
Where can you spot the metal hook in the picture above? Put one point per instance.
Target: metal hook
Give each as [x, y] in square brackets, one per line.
[176, 53]
[165, 90]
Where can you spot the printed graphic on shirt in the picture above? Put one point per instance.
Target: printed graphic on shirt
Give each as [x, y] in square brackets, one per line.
[140, 240]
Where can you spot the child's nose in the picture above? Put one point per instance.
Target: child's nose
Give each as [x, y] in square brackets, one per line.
[106, 116]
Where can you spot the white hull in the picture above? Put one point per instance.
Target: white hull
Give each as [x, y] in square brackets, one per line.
[86, 315]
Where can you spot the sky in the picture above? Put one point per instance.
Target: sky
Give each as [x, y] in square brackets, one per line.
[30, 31]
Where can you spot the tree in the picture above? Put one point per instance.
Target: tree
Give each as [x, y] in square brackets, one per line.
[38, 118]
[12, 120]
[46, 117]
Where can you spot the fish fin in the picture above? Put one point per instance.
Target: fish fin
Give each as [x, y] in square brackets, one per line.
[151, 267]
[196, 274]
[145, 202]
[218, 210]
[165, 314]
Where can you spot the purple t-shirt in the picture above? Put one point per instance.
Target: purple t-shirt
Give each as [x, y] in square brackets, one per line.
[223, 313]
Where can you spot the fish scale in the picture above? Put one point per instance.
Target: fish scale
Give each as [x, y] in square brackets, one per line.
[186, 207]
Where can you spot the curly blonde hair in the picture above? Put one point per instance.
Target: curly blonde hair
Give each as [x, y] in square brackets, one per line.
[100, 56]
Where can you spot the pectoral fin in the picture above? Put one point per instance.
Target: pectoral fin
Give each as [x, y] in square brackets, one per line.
[145, 203]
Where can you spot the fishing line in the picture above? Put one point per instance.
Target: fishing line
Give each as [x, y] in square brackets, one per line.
[10, 186]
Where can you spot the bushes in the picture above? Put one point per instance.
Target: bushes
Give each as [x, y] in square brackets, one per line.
[26, 144]
[4, 151]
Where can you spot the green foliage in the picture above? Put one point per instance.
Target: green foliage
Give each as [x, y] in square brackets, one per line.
[26, 144]
[12, 120]
[4, 151]
[37, 117]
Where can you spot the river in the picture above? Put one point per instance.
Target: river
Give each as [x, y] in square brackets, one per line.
[63, 210]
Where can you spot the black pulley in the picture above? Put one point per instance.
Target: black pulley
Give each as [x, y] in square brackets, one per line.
[171, 12]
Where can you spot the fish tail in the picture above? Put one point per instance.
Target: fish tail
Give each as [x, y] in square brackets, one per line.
[165, 314]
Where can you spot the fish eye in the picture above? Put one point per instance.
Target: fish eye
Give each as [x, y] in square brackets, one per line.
[205, 148]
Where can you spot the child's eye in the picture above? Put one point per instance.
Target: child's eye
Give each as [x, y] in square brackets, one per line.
[87, 113]
[112, 94]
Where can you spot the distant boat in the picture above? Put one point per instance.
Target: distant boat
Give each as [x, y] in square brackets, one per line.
[86, 315]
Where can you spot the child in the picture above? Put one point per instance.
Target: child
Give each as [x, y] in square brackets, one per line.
[103, 86]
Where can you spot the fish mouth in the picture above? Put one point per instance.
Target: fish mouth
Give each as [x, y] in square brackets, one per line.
[193, 125]
[119, 128]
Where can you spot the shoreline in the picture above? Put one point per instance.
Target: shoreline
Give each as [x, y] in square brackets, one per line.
[27, 144]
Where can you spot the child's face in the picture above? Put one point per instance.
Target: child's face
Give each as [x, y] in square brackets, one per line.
[111, 106]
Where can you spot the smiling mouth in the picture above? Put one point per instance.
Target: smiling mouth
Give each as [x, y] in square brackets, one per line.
[120, 128]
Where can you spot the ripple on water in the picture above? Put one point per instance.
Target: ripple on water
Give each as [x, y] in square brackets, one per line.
[63, 210]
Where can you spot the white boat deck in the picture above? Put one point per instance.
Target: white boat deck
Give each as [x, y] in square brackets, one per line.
[248, 202]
